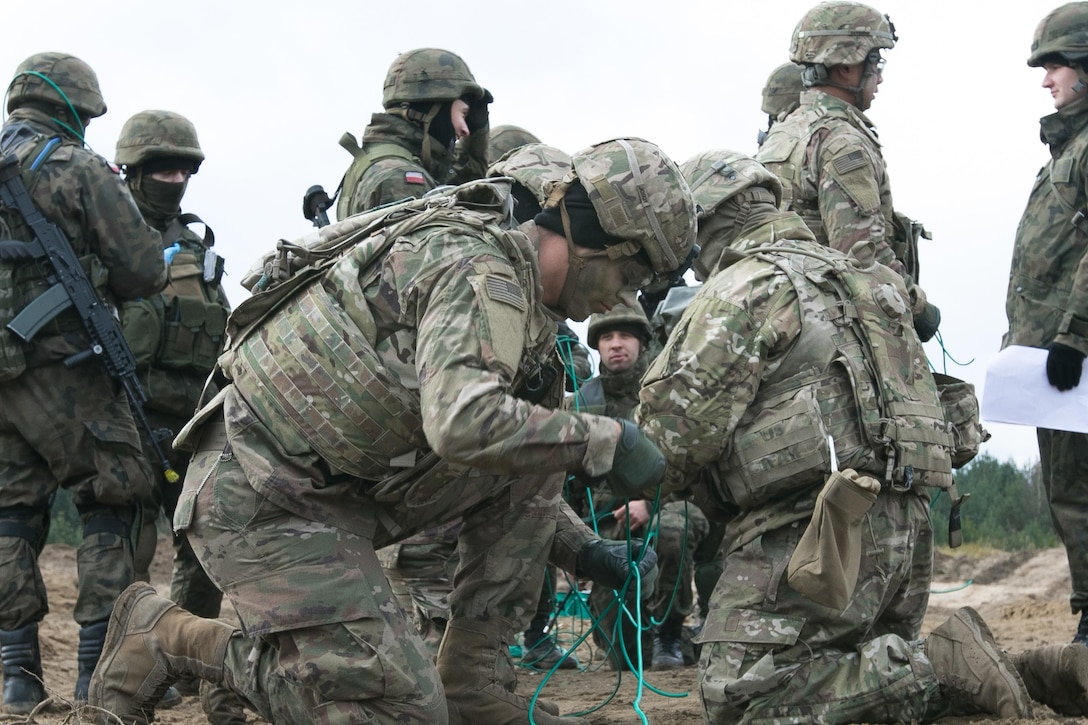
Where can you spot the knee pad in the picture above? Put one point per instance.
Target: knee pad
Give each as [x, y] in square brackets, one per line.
[106, 520]
[28, 523]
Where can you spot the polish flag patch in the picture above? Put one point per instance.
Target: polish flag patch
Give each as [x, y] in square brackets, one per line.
[413, 177]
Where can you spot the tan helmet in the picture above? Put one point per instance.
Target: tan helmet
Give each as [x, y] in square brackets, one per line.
[503, 139]
[783, 89]
[1063, 34]
[639, 195]
[533, 166]
[718, 175]
[57, 79]
[840, 33]
[158, 134]
[621, 316]
[429, 74]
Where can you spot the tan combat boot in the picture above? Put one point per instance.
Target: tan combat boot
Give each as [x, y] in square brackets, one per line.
[149, 644]
[1057, 676]
[975, 675]
[480, 681]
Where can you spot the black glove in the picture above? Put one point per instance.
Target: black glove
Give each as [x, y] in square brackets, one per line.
[1063, 366]
[605, 562]
[637, 464]
[477, 117]
[926, 323]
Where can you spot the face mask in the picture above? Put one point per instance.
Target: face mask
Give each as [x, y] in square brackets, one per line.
[158, 199]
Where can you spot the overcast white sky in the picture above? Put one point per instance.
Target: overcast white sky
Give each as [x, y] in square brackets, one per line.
[271, 88]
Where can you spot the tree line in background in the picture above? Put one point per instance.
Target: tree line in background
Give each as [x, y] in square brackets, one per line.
[1007, 509]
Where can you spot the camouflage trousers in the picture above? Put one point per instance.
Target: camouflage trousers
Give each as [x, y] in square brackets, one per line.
[1063, 459]
[67, 428]
[681, 527]
[772, 656]
[420, 571]
[327, 640]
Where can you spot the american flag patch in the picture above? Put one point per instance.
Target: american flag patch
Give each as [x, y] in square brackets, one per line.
[413, 177]
[504, 290]
[849, 162]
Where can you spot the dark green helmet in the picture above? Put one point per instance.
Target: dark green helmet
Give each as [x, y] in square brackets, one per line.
[783, 89]
[632, 319]
[429, 74]
[1062, 35]
[503, 139]
[57, 79]
[158, 134]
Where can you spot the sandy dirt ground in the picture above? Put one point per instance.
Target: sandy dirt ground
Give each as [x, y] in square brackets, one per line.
[1023, 596]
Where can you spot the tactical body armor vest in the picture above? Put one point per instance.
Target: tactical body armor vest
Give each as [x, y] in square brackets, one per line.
[183, 327]
[364, 159]
[316, 362]
[854, 376]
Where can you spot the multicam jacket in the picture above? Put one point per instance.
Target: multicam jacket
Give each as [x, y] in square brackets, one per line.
[827, 154]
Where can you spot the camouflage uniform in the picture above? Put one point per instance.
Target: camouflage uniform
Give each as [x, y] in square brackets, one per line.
[60, 426]
[1047, 299]
[721, 401]
[680, 526]
[287, 497]
[176, 335]
[398, 158]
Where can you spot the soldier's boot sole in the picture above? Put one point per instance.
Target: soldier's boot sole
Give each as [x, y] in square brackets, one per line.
[975, 675]
[1057, 676]
[151, 642]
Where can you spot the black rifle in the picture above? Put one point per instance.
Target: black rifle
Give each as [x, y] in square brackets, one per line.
[71, 289]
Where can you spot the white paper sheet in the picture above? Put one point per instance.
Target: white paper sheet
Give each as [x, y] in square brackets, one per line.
[1018, 392]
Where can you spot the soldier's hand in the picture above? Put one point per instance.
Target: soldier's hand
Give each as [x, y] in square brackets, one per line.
[926, 324]
[1063, 366]
[637, 464]
[606, 562]
[478, 116]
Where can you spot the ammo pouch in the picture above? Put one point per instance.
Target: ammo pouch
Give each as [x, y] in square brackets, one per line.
[825, 564]
[962, 413]
[780, 446]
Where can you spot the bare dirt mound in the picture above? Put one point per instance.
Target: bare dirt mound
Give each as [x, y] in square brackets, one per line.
[1023, 596]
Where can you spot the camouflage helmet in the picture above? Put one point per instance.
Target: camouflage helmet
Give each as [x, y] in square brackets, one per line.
[532, 166]
[783, 89]
[506, 138]
[158, 134]
[719, 175]
[639, 195]
[840, 33]
[429, 74]
[620, 316]
[1062, 34]
[57, 79]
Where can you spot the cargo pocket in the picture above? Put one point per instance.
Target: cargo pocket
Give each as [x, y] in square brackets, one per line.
[123, 474]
